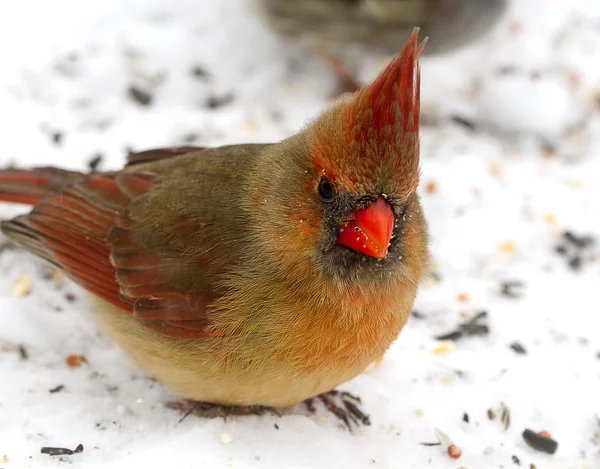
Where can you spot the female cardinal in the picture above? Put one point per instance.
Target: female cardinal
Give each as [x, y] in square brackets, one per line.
[249, 275]
[379, 25]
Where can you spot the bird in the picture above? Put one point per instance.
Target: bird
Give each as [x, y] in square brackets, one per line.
[250, 276]
[379, 25]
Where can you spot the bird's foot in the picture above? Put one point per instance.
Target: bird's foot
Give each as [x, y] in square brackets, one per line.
[343, 405]
[209, 410]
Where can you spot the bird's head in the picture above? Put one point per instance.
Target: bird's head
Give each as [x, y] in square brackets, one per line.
[349, 179]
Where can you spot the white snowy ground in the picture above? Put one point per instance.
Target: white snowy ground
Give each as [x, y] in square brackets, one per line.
[498, 200]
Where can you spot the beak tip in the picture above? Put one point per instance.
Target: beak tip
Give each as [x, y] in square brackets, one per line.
[371, 230]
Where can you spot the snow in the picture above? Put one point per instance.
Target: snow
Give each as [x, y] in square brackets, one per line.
[498, 199]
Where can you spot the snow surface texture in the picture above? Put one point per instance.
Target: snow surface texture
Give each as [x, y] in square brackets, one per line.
[510, 161]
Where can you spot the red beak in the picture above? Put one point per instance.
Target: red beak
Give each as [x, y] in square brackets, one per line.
[370, 230]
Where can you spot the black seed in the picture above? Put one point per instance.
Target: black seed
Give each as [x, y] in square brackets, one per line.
[200, 72]
[23, 353]
[581, 242]
[95, 161]
[575, 262]
[190, 137]
[142, 97]
[61, 451]
[215, 102]
[464, 122]
[539, 442]
[511, 289]
[455, 335]
[58, 388]
[518, 348]
[57, 138]
[560, 249]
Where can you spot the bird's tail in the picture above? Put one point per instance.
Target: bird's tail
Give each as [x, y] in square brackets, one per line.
[30, 186]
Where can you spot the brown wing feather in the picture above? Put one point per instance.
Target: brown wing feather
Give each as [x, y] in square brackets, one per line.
[86, 229]
[157, 154]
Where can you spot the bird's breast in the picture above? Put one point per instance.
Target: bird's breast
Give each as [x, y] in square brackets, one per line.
[347, 330]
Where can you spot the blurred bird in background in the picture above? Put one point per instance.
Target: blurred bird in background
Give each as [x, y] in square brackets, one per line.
[380, 25]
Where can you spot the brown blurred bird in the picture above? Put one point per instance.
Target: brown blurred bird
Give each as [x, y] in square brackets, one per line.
[249, 275]
[380, 25]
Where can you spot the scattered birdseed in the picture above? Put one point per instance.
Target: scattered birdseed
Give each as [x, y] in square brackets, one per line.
[141, 97]
[418, 315]
[504, 416]
[430, 187]
[580, 242]
[473, 327]
[190, 137]
[507, 247]
[518, 348]
[74, 360]
[454, 451]
[61, 451]
[23, 354]
[573, 248]
[448, 379]
[200, 73]
[216, 102]
[57, 277]
[95, 161]
[21, 287]
[57, 138]
[444, 347]
[512, 289]
[70, 297]
[252, 126]
[442, 437]
[226, 438]
[539, 442]
[4, 459]
[463, 122]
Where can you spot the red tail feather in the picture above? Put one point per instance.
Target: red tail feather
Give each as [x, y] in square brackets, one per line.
[30, 186]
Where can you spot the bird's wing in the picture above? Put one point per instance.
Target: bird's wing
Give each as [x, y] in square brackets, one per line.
[148, 242]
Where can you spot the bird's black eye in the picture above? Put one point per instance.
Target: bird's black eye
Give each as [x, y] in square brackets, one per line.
[326, 190]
